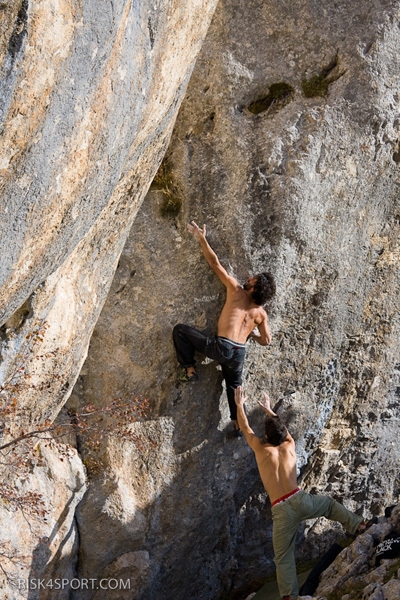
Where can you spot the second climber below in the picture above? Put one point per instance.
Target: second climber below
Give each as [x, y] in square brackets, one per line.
[242, 316]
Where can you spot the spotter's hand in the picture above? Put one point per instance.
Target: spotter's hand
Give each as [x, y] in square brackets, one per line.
[240, 398]
[265, 404]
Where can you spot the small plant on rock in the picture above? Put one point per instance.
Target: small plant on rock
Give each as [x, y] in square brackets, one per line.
[318, 85]
[279, 94]
[164, 182]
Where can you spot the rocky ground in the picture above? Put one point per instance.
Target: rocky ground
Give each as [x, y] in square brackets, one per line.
[359, 572]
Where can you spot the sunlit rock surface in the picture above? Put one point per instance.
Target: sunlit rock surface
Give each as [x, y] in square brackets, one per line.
[88, 97]
[39, 537]
[287, 147]
[308, 188]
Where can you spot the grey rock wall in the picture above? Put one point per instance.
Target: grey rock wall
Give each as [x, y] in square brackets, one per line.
[89, 94]
[366, 568]
[360, 569]
[308, 188]
[39, 536]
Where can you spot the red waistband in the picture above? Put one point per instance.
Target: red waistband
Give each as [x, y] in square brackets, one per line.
[286, 496]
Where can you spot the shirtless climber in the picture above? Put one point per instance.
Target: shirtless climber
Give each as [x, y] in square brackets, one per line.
[240, 316]
[276, 460]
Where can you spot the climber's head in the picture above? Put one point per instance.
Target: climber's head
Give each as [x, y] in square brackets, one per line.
[275, 431]
[261, 288]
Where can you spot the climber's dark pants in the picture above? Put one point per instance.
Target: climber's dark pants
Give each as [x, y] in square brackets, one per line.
[286, 517]
[229, 354]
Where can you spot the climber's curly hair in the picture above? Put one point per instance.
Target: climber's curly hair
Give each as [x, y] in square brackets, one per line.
[264, 288]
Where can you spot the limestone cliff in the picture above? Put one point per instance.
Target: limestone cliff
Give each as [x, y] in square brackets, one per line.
[89, 94]
[287, 146]
[366, 568]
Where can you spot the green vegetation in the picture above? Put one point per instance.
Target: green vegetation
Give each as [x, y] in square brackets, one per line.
[316, 86]
[164, 182]
[279, 94]
[171, 206]
[319, 84]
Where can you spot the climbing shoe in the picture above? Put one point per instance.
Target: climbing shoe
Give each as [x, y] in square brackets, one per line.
[366, 525]
[186, 378]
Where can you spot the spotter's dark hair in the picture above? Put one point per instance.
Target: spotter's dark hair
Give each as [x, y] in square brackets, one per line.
[275, 431]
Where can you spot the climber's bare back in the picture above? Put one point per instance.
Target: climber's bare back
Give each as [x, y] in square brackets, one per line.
[240, 316]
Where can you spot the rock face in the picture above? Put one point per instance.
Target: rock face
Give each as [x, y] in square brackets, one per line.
[362, 570]
[39, 535]
[367, 568]
[89, 95]
[287, 147]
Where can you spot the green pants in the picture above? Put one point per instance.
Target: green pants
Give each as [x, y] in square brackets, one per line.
[286, 517]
